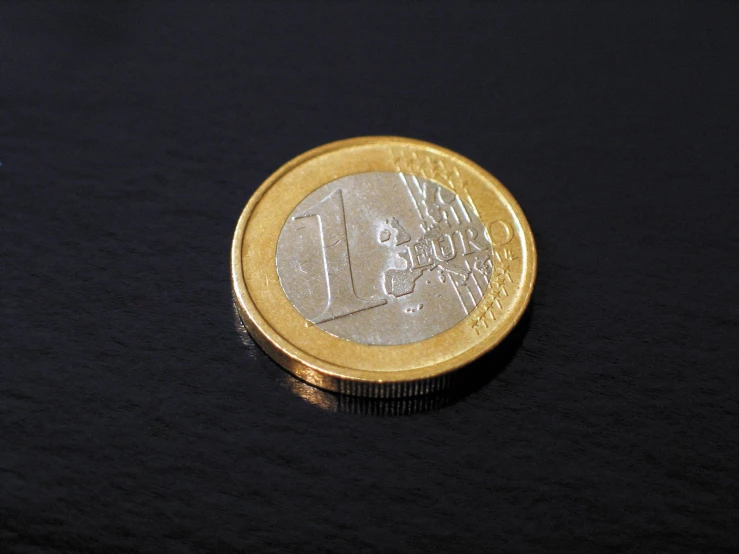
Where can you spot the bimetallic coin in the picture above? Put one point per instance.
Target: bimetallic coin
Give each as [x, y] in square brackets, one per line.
[379, 266]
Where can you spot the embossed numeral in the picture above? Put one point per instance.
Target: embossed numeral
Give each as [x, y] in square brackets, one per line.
[342, 299]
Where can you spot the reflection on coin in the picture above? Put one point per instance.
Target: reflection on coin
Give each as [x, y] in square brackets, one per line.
[379, 266]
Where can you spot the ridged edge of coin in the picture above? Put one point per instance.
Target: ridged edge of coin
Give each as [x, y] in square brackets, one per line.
[347, 385]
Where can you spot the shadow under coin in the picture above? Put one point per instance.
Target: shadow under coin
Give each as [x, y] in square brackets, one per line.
[466, 380]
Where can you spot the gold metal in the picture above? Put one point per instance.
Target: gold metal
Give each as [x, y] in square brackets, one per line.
[394, 371]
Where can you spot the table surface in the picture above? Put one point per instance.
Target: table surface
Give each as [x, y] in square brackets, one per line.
[137, 416]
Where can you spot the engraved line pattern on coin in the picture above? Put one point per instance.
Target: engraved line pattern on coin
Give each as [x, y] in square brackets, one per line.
[441, 210]
[384, 258]
[437, 170]
[500, 231]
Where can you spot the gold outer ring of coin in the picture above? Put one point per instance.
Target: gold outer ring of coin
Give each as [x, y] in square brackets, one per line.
[347, 367]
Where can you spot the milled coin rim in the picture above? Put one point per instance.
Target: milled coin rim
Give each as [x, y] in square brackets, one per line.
[408, 370]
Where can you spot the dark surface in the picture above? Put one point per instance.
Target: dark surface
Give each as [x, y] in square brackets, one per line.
[135, 415]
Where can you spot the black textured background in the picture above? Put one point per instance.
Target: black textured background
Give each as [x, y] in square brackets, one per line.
[136, 417]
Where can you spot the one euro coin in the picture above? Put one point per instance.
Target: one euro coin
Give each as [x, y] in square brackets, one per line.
[381, 266]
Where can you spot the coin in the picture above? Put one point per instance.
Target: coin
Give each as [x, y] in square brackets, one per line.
[380, 266]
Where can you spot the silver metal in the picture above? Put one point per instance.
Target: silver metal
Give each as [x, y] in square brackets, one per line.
[384, 258]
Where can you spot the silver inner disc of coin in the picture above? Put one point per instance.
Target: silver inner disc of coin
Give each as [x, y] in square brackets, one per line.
[384, 258]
